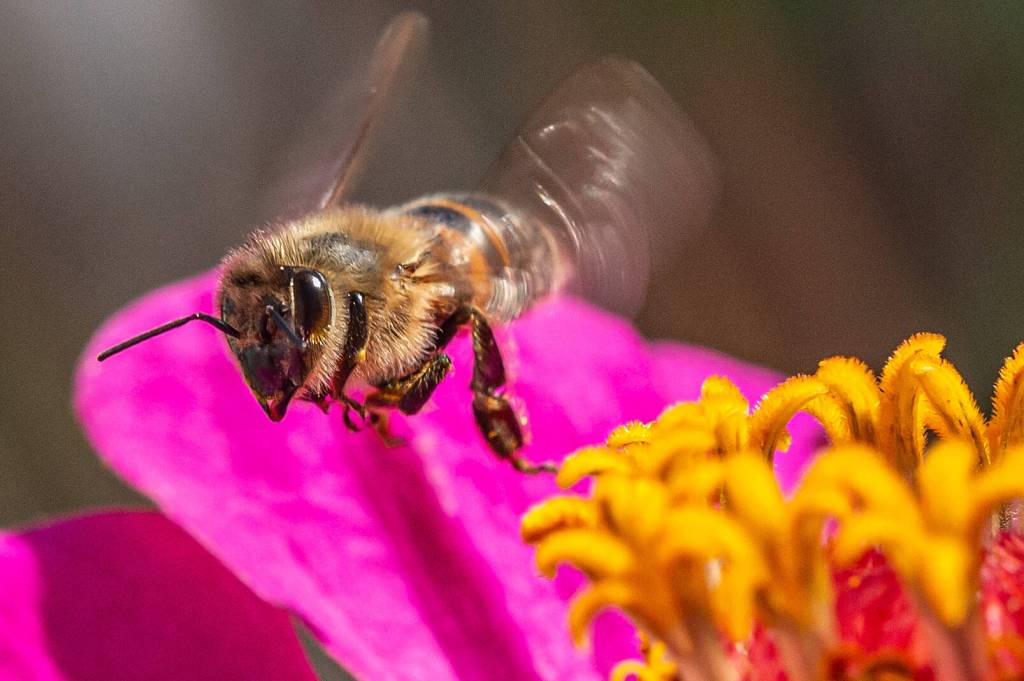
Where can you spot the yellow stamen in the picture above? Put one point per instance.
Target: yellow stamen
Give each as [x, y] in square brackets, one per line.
[632, 508]
[587, 604]
[947, 582]
[1007, 426]
[951, 401]
[901, 415]
[943, 482]
[931, 540]
[901, 541]
[754, 496]
[557, 513]
[683, 435]
[860, 473]
[856, 389]
[697, 484]
[685, 528]
[591, 461]
[727, 410]
[777, 407]
[597, 553]
[631, 433]
[697, 537]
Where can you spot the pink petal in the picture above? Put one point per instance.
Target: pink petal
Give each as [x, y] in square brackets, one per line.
[405, 561]
[127, 595]
[680, 370]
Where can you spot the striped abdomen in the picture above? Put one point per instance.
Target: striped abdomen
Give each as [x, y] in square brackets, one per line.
[511, 261]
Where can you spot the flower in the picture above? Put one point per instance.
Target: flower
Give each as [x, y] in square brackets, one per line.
[405, 562]
[127, 595]
[876, 562]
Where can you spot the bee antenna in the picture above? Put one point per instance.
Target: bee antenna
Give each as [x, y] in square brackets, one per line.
[283, 324]
[219, 324]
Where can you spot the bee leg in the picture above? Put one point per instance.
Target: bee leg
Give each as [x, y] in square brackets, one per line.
[319, 399]
[409, 393]
[354, 353]
[495, 417]
[451, 326]
[353, 405]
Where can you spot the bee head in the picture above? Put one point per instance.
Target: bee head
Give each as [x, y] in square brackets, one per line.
[279, 316]
[274, 323]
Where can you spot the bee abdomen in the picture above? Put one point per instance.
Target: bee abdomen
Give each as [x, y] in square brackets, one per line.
[517, 260]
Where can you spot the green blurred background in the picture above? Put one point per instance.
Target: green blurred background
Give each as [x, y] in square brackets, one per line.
[869, 157]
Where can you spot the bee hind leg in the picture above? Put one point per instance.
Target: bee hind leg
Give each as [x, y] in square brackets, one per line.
[495, 417]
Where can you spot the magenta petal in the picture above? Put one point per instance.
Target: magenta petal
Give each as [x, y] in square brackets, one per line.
[406, 562]
[127, 595]
[679, 371]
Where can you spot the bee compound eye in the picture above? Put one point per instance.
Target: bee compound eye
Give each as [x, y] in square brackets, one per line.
[312, 302]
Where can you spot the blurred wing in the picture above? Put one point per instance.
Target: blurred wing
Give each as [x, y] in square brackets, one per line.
[611, 167]
[326, 166]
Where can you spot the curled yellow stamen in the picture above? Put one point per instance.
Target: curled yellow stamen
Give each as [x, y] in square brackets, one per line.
[856, 390]
[777, 407]
[1007, 425]
[685, 529]
[901, 414]
[630, 433]
[559, 513]
[955, 411]
[597, 553]
[591, 461]
[727, 411]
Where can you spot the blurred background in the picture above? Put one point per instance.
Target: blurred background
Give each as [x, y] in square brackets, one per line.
[871, 179]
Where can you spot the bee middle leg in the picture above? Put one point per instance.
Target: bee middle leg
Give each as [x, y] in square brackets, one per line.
[409, 393]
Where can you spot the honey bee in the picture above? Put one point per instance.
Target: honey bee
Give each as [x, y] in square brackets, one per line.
[350, 295]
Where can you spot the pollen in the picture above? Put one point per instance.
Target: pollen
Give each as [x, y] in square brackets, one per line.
[686, 530]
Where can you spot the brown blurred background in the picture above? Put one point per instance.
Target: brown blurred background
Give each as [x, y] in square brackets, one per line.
[871, 181]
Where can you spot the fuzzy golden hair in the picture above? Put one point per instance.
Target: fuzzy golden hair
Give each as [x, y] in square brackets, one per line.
[384, 255]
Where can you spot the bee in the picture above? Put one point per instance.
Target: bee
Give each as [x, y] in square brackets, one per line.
[354, 296]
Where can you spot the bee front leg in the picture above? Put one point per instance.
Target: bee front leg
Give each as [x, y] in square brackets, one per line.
[495, 416]
[319, 399]
[355, 351]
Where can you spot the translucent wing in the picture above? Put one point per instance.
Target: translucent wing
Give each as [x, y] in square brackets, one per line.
[324, 168]
[613, 170]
